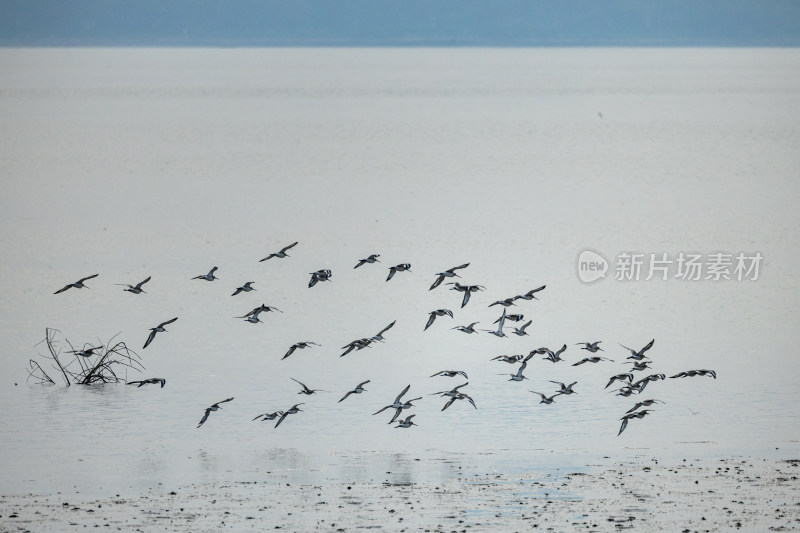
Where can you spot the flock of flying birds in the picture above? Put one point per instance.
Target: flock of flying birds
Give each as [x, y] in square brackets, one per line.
[629, 384]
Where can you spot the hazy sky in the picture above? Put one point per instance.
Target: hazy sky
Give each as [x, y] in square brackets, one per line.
[399, 22]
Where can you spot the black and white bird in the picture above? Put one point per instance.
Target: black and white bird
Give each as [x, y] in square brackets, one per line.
[402, 267]
[281, 254]
[459, 396]
[643, 403]
[379, 337]
[565, 389]
[86, 352]
[358, 344]
[467, 290]
[499, 331]
[630, 416]
[305, 390]
[467, 329]
[521, 330]
[594, 359]
[371, 259]
[357, 390]
[77, 285]
[638, 366]
[639, 355]
[293, 410]
[449, 273]
[530, 294]
[505, 303]
[211, 409]
[693, 373]
[555, 357]
[208, 277]
[518, 376]
[252, 316]
[407, 422]
[247, 287]
[158, 329]
[150, 381]
[452, 392]
[547, 400]
[620, 377]
[268, 416]
[396, 404]
[434, 314]
[508, 358]
[135, 289]
[642, 383]
[450, 373]
[591, 346]
[299, 345]
[510, 318]
[319, 275]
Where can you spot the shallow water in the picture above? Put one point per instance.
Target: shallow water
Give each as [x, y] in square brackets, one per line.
[131, 163]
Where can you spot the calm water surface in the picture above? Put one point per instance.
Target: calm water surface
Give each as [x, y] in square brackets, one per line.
[131, 163]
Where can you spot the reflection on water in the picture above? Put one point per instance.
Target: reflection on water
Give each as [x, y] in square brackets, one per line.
[142, 170]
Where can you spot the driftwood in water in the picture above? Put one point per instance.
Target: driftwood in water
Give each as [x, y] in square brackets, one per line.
[88, 366]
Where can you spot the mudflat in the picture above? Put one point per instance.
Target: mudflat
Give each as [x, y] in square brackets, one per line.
[737, 493]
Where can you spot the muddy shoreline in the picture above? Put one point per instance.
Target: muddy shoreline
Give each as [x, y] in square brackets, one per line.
[745, 494]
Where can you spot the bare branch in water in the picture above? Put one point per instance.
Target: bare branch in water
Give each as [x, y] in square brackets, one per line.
[101, 366]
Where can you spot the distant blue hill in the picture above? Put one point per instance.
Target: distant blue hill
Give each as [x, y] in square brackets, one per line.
[399, 23]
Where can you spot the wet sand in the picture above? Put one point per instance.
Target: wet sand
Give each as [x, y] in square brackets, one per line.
[647, 495]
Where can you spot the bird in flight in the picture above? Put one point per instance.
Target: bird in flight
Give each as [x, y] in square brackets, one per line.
[402, 267]
[247, 287]
[555, 357]
[505, 303]
[208, 277]
[692, 373]
[521, 330]
[530, 294]
[293, 410]
[451, 373]
[592, 347]
[449, 273]
[467, 290]
[135, 289]
[434, 314]
[467, 329]
[379, 336]
[151, 381]
[319, 275]
[300, 345]
[305, 390]
[210, 409]
[396, 404]
[638, 356]
[371, 259]
[77, 285]
[643, 403]
[359, 344]
[268, 416]
[594, 359]
[86, 352]
[407, 423]
[499, 331]
[565, 389]
[158, 329]
[280, 254]
[545, 399]
[357, 390]
[629, 416]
